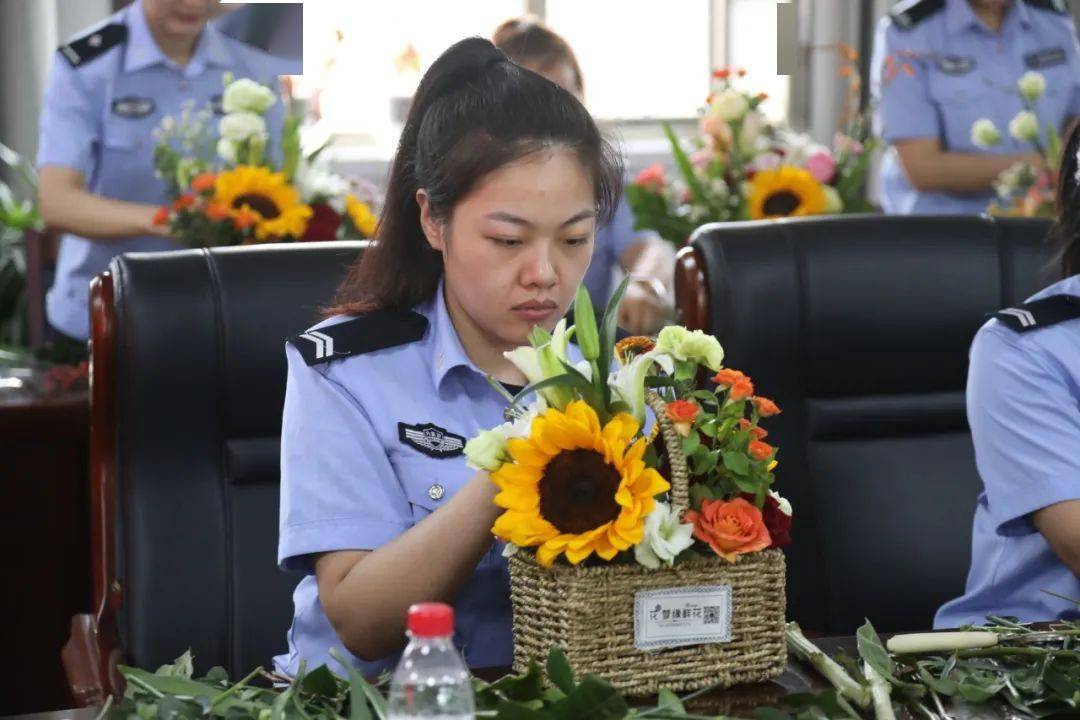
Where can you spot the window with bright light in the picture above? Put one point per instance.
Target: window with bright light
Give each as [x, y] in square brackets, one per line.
[751, 45]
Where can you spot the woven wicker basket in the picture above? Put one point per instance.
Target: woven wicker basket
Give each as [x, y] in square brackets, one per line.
[589, 611]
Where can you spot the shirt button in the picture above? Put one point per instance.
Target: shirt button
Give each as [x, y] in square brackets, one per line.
[436, 491]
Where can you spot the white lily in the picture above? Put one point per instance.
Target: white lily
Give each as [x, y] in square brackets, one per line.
[546, 361]
[628, 382]
[665, 537]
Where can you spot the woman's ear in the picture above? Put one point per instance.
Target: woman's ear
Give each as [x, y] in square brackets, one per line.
[433, 229]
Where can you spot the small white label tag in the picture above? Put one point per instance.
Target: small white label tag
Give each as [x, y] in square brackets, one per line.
[677, 617]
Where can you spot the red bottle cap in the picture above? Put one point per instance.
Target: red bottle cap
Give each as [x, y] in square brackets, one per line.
[431, 620]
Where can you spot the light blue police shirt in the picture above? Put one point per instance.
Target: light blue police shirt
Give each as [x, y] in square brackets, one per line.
[611, 242]
[98, 118]
[354, 476]
[961, 71]
[1023, 404]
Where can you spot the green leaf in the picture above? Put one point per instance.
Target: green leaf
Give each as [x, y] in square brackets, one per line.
[736, 462]
[873, 651]
[320, 681]
[593, 698]
[515, 711]
[588, 335]
[359, 690]
[559, 671]
[691, 443]
[529, 686]
[670, 701]
[706, 464]
[686, 168]
[181, 667]
[173, 685]
[608, 324]
[700, 492]
[217, 674]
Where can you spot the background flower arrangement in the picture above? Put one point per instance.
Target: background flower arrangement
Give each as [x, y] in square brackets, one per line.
[226, 190]
[744, 167]
[1025, 189]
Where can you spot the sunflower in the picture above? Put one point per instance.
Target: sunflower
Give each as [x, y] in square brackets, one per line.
[576, 488]
[785, 192]
[274, 203]
[360, 213]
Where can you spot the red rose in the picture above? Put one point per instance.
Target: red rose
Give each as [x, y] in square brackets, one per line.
[776, 520]
[323, 225]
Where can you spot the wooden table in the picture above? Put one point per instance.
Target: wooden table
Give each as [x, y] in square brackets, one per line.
[45, 518]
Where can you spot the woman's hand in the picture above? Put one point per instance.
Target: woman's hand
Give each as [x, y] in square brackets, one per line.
[642, 311]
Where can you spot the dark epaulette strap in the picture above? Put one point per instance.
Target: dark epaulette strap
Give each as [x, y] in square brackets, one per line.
[1055, 6]
[1040, 313]
[94, 44]
[375, 331]
[908, 14]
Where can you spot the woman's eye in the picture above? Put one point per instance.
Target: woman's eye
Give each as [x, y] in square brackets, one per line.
[505, 242]
[577, 240]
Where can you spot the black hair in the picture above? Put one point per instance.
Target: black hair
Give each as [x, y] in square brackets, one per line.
[1066, 232]
[474, 112]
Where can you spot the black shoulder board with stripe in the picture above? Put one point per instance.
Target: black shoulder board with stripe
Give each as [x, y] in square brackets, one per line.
[1040, 313]
[1055, 6]
[908, 14]
[367, 333]
[94, 44]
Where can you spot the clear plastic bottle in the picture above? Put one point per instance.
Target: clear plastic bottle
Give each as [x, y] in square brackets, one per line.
[431, 680]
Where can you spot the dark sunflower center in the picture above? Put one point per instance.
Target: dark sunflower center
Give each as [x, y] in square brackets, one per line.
[783, 202]
[577, 492]
[259, 203]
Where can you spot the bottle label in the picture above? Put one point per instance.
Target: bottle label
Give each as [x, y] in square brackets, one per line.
[678, 617]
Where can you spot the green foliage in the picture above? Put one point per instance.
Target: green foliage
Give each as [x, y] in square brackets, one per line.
[18, 215]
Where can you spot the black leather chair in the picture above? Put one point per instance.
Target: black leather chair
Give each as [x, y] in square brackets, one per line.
[859, 328]
[187, 387]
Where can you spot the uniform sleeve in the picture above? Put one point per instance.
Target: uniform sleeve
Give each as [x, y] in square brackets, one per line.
[620, 234]
[70, 120]
[1072, 110]
[900, 82]
[338, 488]
[1026, 428]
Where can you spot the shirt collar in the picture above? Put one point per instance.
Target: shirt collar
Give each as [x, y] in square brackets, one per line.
[448, 350]
[959, 16]
[143, 51]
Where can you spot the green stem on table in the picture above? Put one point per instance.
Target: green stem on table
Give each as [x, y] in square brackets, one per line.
[938, 705]
[231, 690]
[1016, 651]
[880, 690]
[105, 708]
[833, 672]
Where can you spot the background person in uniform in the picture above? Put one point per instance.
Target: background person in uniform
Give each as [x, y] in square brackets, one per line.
[1023, 405]
[642, 254]
[107, 91]
[940, 65]
[500, 182]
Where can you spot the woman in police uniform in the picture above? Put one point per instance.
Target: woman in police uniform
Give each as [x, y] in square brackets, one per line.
[1023, 401]
[500, 182]
[107, 91]
[940, 65]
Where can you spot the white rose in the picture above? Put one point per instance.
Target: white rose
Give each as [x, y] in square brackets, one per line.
[486, 451]
[683, 344]
[752, 128]
[833, 203]
[226, 150]
[1025, 126]
[246, 95]
[984, 133]
[240, 126]
[729, 105]
[665, 537]
[1032, 85]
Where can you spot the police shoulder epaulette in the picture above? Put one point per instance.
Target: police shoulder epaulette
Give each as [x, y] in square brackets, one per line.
[94, 43]
[367, 333]
[1040, 313]
[1055, 6]
[910, 13]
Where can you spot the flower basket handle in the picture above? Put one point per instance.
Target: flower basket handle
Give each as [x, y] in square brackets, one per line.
[680, 476]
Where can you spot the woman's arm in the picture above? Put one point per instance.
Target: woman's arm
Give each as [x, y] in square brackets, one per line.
[930, 169]
[1060, 525]
[67, 206]
[366, 594]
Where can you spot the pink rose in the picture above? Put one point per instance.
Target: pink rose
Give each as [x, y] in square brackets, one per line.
[821, 165]
[652, 178]
[700, 159]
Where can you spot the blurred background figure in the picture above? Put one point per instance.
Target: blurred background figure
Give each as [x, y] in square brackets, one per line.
[642, 255]
[108, 89]
[942, 66]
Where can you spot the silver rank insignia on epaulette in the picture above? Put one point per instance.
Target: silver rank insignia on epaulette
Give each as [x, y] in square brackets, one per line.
[431, 440]
[1043, 312]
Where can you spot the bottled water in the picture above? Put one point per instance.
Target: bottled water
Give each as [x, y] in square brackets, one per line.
[431, 680]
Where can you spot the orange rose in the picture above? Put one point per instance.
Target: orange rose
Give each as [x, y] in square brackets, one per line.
[244, 218]
[184, 201]
[765, 406]
[741, 385]
[731, 528]
[682, 414]
[759, 450]
[217, 211]
[161, 216]
[722, 74]
[652, 178]
[203, 182]
[758, 433]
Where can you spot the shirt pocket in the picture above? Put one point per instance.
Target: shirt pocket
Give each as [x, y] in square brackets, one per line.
[961, 100]
[126, 168]
[430, 483]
